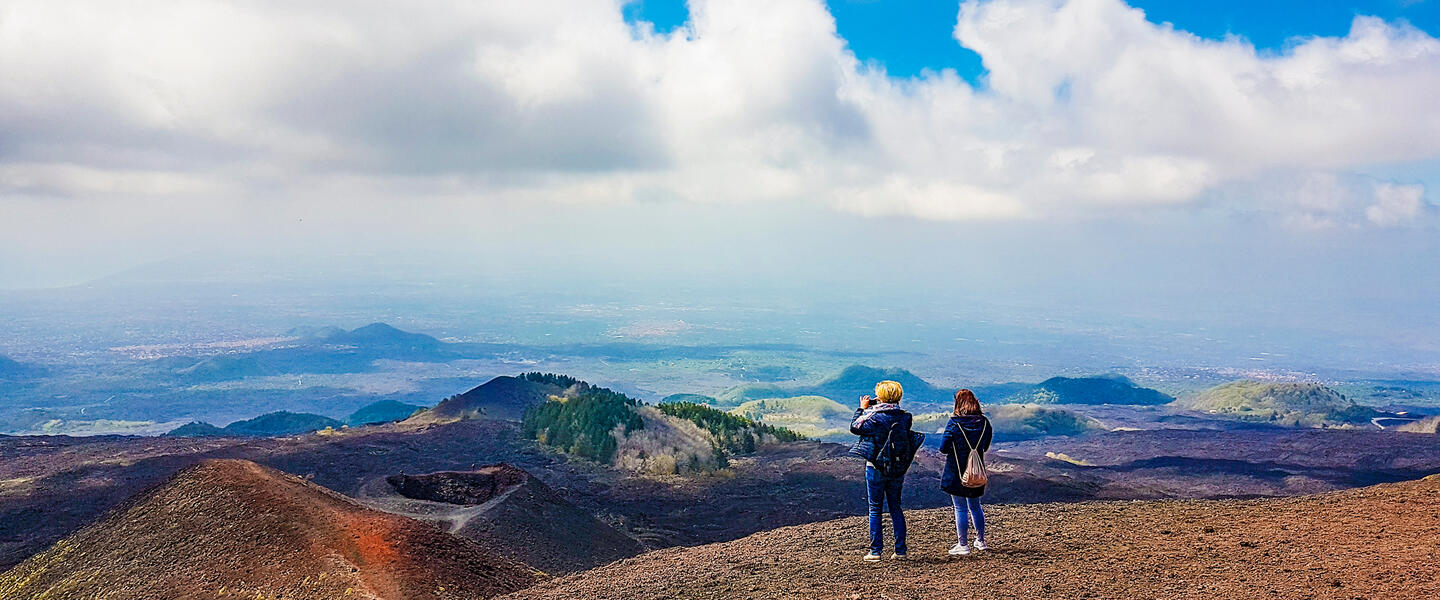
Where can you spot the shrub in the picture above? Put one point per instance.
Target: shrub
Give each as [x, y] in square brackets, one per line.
[733, 433]
[555, 379]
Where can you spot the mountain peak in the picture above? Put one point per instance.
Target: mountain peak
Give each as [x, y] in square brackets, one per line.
[503, 397]
[377, 328]
[380, 335]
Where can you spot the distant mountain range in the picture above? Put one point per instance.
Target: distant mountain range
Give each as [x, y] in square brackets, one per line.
[325, 350]
[291, 423]
[823, 410]
[267, 425]
[330, 350]
[859, 380]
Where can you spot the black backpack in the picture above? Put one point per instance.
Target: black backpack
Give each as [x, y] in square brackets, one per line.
[897, 451]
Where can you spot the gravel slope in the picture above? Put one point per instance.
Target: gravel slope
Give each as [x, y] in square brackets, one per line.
[1376, 542]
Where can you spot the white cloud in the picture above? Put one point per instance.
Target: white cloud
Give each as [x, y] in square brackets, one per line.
[1089, 109]
[1396, 204]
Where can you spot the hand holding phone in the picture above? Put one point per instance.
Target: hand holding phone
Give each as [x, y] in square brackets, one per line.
[866, 401]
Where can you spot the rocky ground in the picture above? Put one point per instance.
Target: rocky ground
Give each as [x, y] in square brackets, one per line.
[1374, 542]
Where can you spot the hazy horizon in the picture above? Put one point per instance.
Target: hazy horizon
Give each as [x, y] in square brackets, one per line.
[1142, 183]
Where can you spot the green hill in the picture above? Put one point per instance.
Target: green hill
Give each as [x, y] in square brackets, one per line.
[1105, 389]
[609, 427]
[811, 416]
[735, 434]
[1291, 404]
[846, 387]
[860, 380]
[383, 411]
[1020, 421]
[741, 394]
[196, 429]
[281, 423]
[692, 398]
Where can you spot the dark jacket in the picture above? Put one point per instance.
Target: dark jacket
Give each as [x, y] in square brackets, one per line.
[961, 433]
[873, 429]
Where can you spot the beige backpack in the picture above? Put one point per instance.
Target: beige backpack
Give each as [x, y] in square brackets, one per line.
[975, 475]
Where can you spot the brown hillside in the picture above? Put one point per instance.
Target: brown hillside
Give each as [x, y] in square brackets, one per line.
[232, 528]
[509, 510]
[1375, 542]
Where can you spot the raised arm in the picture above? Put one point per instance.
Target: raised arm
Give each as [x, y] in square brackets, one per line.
[862, 424]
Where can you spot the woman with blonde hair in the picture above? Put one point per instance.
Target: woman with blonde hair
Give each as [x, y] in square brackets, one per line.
[967, 431]
[888, 446]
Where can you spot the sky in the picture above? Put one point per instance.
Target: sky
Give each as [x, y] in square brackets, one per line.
[1252, 154]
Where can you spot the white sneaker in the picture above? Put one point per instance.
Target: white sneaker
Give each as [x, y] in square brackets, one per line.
[959, 549]
[872, 557]
[980, 545]
[899, 556]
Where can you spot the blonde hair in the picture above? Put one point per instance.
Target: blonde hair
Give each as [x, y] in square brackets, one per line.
[889, 391]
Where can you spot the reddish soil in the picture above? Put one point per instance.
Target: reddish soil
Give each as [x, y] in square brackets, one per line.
[1375, 542]
[231, 528]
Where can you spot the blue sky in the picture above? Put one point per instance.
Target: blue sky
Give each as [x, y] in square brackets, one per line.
[907, 36]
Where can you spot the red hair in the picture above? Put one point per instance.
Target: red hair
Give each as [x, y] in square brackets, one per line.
[966, 403]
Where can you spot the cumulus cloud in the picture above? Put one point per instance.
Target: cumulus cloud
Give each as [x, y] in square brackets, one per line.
[1087, 108]
[1326, 200]
[1396, 204]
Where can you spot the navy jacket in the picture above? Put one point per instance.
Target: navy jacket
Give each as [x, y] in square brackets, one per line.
[977, 434]
[872, 431]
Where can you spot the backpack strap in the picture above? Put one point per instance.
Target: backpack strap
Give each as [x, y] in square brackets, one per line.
[886, 443]
[972, 447]
[967, 436]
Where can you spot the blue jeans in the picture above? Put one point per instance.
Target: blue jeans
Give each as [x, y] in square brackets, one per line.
[884, 490]
[964, 507]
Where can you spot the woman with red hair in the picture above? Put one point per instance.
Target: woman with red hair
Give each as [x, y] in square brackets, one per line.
[967, 431]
